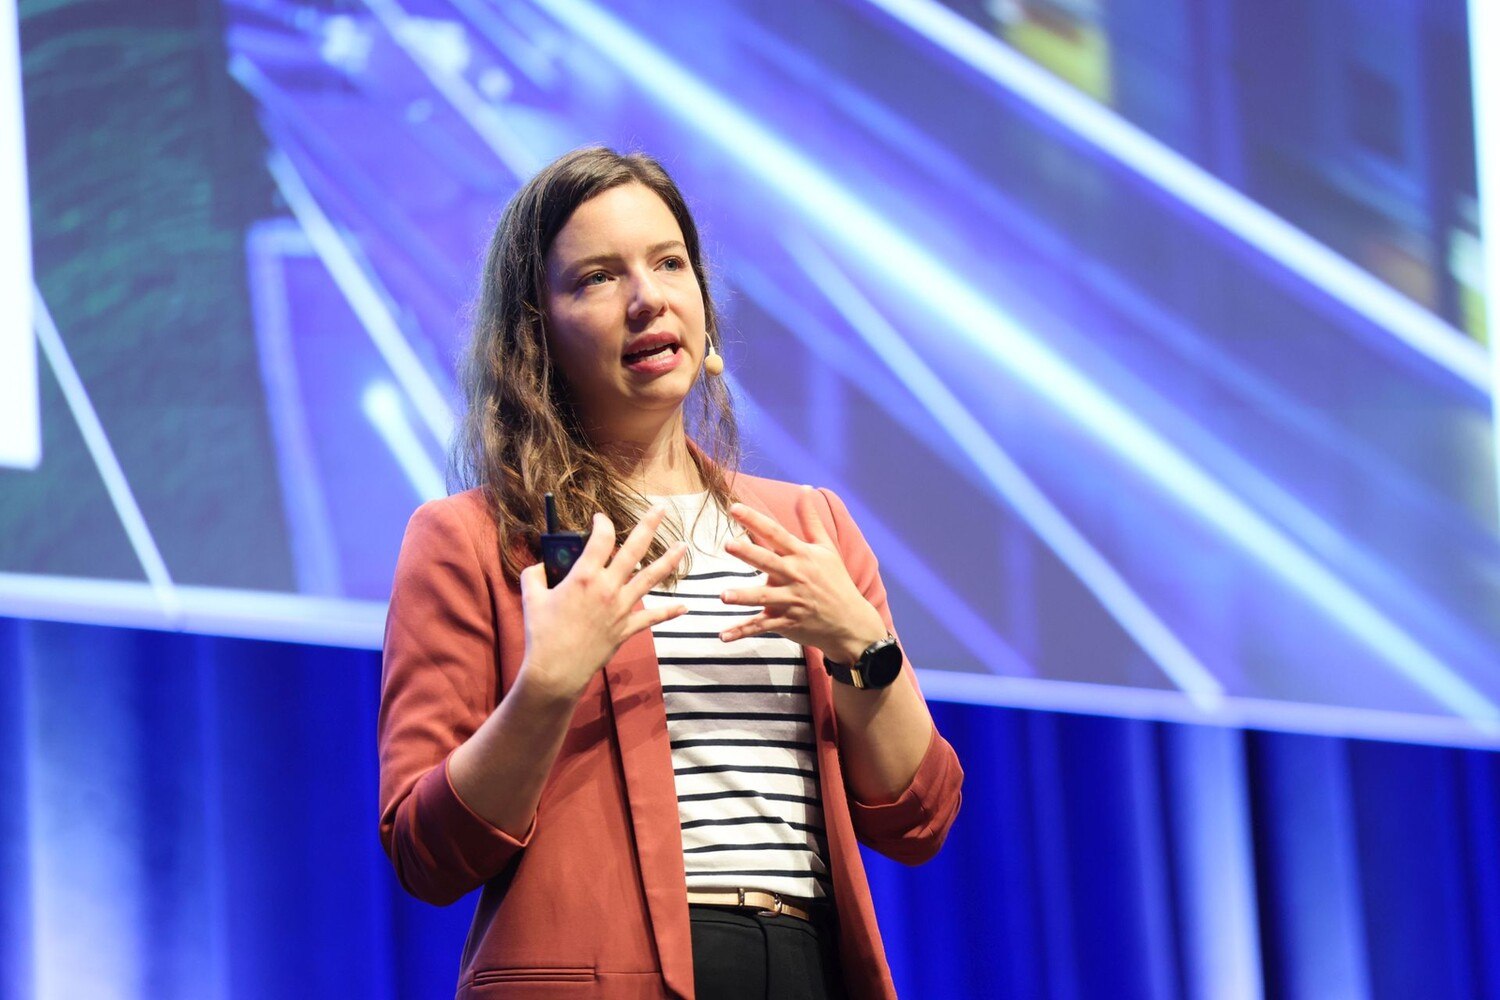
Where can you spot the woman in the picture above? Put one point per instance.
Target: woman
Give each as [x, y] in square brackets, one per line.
[650, 768]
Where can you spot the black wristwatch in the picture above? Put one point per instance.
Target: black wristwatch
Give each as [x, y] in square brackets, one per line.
[877, 666]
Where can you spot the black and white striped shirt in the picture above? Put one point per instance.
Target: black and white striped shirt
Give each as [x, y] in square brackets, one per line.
[740, 727]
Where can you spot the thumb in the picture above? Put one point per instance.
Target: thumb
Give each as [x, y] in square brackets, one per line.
[533, 577]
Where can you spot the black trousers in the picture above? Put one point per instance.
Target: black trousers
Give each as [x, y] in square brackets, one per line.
[743, 955]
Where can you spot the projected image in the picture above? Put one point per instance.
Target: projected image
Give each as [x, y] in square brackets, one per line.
[1354, 125]
[1155, 374]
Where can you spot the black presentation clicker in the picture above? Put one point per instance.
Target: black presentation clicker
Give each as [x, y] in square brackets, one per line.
[560, 549]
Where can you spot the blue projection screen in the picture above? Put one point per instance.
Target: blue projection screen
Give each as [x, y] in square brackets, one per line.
[1146, 342]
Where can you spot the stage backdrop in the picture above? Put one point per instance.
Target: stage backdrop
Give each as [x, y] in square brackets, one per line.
[1146, 340]
[1171, 314]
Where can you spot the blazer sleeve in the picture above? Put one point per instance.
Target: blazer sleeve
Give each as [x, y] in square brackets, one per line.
[439, 682]
[912, 828]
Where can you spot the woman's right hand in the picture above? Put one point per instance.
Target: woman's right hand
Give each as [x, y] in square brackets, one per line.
[573, 629]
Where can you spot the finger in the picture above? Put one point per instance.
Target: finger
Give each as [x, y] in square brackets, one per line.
[759, 625]
[755, 535]
[770, 534]
[655, 573]
[811, 518]
[757, 556]
[600, 544]
[758, 596]
[533, 577]
[652, 617]
[638, 542]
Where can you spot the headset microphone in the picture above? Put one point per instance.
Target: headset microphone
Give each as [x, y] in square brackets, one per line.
[713, 364]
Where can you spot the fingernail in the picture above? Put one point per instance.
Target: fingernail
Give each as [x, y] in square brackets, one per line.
[728, 595]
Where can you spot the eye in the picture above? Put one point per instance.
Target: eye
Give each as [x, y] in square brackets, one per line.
[674, 264]
[596, 278]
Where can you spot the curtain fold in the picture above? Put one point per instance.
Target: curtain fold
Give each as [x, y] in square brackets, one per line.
[196, 817]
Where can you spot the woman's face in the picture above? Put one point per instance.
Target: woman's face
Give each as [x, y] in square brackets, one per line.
[625, 317]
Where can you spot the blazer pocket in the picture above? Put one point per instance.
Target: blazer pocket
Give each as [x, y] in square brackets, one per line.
[551, 974]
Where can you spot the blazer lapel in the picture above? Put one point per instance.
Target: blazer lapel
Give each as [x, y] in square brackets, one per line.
[633, 678]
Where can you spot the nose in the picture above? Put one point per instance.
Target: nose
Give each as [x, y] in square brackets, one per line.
[646, 299]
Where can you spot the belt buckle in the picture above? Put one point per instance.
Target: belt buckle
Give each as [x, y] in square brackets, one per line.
[777, 904]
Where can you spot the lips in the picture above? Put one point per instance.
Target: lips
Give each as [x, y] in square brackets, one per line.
[649, 344]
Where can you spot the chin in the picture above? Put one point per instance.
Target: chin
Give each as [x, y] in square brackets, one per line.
[671, 387]
[661, 400]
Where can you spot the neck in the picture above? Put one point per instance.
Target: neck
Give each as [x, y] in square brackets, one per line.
[655, 461]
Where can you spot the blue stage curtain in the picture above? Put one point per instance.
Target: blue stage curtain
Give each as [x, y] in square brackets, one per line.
[196, 817]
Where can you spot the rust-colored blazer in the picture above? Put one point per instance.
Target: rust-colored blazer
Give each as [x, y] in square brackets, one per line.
[591, 902]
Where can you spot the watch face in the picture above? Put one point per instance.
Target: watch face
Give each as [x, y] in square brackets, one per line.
[883, 665]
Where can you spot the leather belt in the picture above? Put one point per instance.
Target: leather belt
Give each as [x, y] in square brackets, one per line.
[768, 903]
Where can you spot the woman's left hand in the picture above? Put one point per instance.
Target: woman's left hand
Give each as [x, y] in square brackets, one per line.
[809, 596]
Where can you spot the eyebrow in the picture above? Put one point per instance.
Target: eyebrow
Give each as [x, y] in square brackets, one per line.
[604, 258]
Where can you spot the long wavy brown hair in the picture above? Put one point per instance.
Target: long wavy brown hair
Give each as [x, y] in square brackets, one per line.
[520, 437]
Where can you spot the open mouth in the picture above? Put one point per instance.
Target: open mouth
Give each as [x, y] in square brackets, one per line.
[650, 352]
